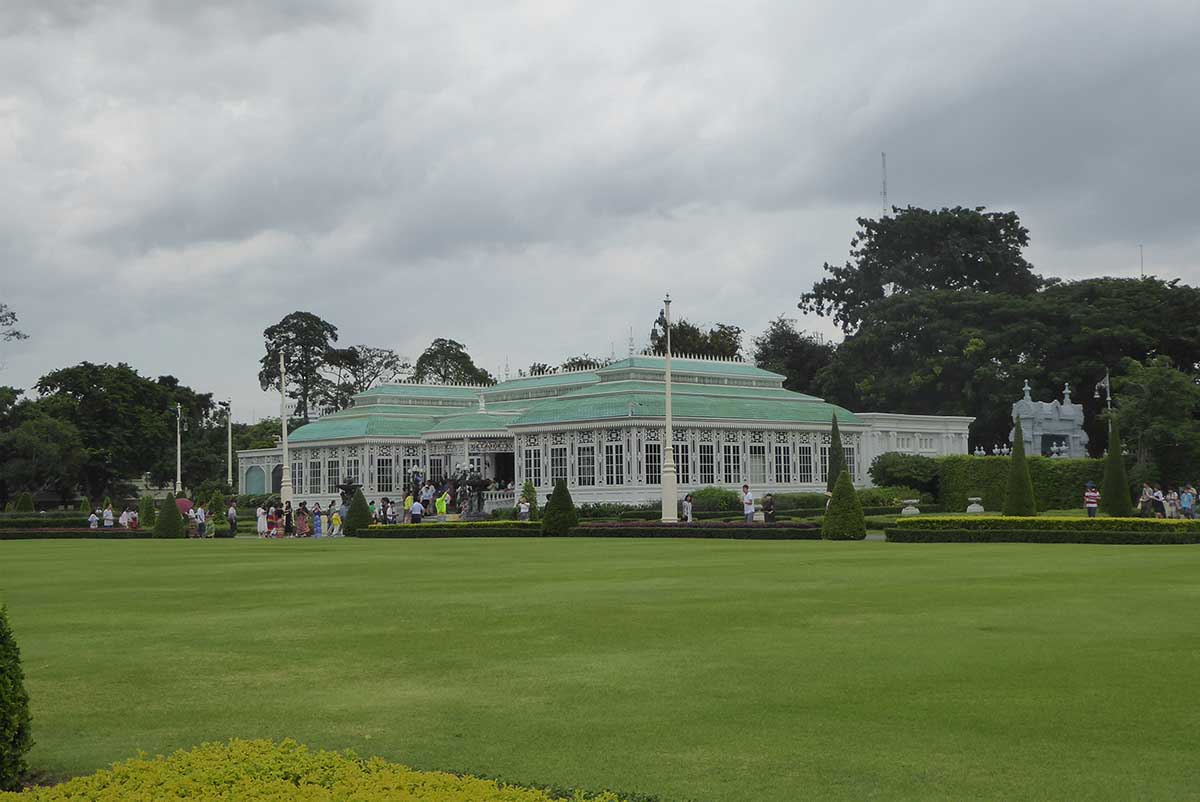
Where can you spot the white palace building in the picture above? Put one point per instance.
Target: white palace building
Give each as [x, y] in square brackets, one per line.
[601, 430]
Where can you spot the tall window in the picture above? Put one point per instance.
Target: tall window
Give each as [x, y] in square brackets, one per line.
[732, 462]
[653, 463]
[383, 474]
[783, 465]
[352, 471]
[824, 464]
[314, 477]
[758, 464]
[408, 466]
[804, 474]
[298, 476]
[614, 464]
[437, 468]
[708, 473]
[333, 472]
[849, 451]
[558, 463]
[533, 466]
[682, 467]
[586, 455]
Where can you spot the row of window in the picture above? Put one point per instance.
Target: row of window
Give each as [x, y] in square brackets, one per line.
[314, 476]
[607, 466]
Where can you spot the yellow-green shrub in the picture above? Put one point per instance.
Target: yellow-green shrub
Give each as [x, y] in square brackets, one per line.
[258, 771]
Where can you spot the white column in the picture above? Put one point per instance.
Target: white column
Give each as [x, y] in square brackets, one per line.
[670, 489]
[178, 449]
[229, 443]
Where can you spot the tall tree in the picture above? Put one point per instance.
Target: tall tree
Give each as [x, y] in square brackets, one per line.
[448, 362]
[306, 342]
[795, 354]
[687, 339]
[357, 368]
[918, 249]
[43, 455]
[1158, 408]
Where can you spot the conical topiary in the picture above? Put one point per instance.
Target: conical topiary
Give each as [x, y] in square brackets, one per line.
[146, 516]
[844, 516]
[560, 516]
[216, 505]
[529, 493]
[8, 507]
[85, 504]
[837, 457]
[1115, 498]
[104, 505]
[15, 737]
[358, 517]
[169, 522]
[24, 502]
[1019, 499]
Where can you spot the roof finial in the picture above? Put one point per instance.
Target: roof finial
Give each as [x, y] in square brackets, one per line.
[1026, 389]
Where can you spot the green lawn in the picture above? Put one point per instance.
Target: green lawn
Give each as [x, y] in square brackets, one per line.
[707, 670]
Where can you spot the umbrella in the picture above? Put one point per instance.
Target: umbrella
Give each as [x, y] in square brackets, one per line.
[184, 505]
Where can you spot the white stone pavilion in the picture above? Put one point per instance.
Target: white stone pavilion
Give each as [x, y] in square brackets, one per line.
[600, 430]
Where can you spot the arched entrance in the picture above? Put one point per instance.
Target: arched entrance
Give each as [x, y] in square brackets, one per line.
[277, 479]
[255, 482]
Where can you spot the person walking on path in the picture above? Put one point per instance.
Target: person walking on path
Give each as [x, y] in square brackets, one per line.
[260, 521]
[289, 523]
[231, 518]
[441, 503]
[318, 520]
[335, 523]
[1187, 502]
[687, 508]
[416, 511]
[201, 520]
[747, 504]
[108, 517]
[1091, 499]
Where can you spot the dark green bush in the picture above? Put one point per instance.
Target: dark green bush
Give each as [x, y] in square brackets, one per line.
[358, 517]
[8, 507]
[560, 516]
[837, 457]
[35, 521]
[1040, 535]
[170, 522]
[739, 531]
[146, 513]
[1019, 498]
[906, 470]
[1115, 496]
[1080, 524]
[890, 496]
[797, 501]
[85, 505]
[24, 503]
[74, 533]
[716, 499]
[844, 518]
[15, 734]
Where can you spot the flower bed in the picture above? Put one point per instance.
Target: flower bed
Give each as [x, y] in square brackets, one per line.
[257, 771]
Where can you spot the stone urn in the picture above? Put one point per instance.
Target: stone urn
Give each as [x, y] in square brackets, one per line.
[910, 506]
[974, 508]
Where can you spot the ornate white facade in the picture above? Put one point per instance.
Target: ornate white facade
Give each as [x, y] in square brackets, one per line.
[602, 431]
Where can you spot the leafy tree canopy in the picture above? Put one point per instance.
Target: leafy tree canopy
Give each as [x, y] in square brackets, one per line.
[795, 354]
[42, 455]
[919, 249]
[1158, 408]
[306, 342]
[8, 319]
[447, 361]
[360, 367]
[722, 340]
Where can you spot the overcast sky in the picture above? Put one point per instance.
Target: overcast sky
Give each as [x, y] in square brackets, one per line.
[530, 178]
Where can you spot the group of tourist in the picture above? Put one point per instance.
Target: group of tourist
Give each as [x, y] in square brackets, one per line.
[1167, 502]
[127, 520]
[422, 501]
[274, 521]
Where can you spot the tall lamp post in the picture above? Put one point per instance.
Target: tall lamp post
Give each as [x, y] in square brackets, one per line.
[670, 489]
[178, 448]
[1105, 385]
[285, 484]
[228, 405]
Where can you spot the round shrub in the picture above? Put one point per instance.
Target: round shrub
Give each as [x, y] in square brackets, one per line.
[844, 519]
[716, 499]
[170, 522]
[560, 517]
[905, 470]
[15, 738]
[358, 517]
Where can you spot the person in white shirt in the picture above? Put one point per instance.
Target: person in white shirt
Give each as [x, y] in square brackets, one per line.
[108, 517]
[260, 521]
[124, 519]
[93, 521]
[523, 510]
[687, 508]
[201, 517]
[416, 511]
[747, 504]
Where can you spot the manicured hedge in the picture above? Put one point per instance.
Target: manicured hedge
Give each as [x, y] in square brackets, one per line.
[1057, 483]
[738, 531]
[1098, 536]
[258, 771]
[995, 523]
[115, 533]
[27, 521]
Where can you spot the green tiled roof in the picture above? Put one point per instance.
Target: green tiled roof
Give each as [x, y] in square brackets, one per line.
[744, 370]
[545, 380]
[653, 405]
[424, 391]
[421, 410]
[689, 388]
[337, 427]
[472, 422]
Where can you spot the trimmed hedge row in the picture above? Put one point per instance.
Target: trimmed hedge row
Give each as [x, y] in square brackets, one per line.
[27, 521]
[737, 531]
[997, 523]
[258, 771]
[1104, 537]
[1057, 483]
[84, 533]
